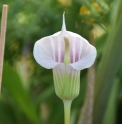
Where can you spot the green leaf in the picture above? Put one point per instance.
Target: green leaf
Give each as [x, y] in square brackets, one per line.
[112, 104]
[6, 114]
[12, 83]
[108, 68]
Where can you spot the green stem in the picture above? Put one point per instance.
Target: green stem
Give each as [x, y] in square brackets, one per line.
[67, 106]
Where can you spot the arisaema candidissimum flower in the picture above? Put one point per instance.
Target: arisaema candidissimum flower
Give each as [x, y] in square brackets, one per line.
[66, 53]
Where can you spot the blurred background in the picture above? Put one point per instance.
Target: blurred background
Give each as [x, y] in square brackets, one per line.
[28, 95]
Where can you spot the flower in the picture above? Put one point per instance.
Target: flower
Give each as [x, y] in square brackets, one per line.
[66, 53]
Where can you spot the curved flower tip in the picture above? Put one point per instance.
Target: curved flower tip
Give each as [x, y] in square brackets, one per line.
[53, 50]
[63, 24]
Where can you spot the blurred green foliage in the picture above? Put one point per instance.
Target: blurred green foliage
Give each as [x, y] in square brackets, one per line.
[28, 95]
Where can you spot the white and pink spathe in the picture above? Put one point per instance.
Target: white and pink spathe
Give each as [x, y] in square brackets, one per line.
[50, 51]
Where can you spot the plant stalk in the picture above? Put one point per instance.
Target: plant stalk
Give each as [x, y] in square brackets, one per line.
[67, 107]
[86, 114]
[2, 39]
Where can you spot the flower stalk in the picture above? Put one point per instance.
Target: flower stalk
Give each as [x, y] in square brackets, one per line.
[67, 107]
